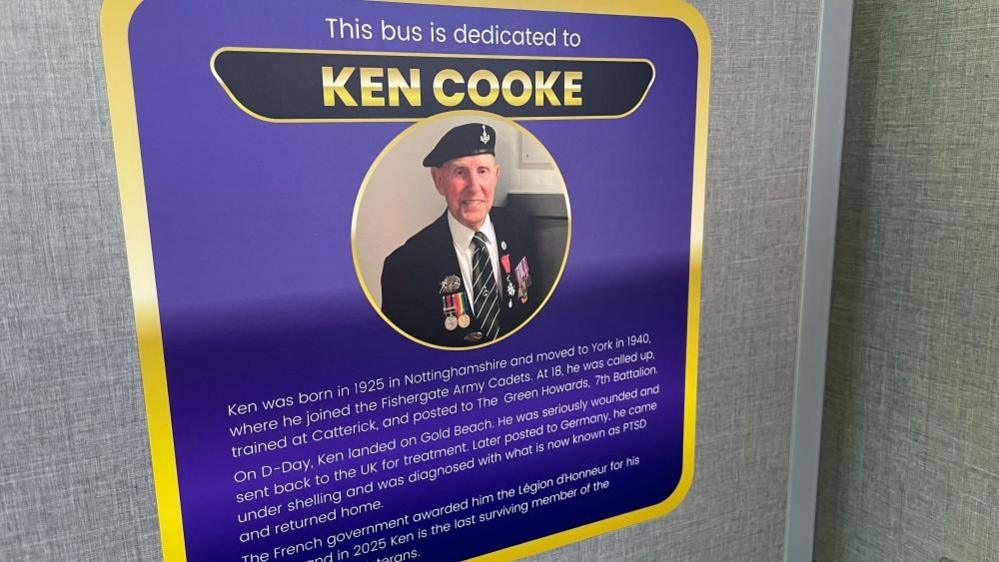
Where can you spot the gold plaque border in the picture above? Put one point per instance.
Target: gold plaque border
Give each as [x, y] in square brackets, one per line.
[115, 18]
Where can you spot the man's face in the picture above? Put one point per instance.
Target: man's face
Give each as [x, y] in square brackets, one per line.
[468, 184]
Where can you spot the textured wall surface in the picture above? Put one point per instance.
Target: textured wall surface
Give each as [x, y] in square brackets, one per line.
[75, 480]
[74, 469]
[910, 455]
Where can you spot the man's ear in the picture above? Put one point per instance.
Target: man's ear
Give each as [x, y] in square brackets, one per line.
[436, 174]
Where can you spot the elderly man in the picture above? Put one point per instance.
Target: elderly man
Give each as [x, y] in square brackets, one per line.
[465, 279]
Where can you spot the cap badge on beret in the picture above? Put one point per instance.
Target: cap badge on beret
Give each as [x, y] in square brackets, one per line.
[485, 135]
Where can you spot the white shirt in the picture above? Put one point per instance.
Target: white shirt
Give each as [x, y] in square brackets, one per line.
[462, 236]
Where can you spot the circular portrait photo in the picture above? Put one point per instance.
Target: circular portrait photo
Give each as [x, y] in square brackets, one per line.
[461, 230]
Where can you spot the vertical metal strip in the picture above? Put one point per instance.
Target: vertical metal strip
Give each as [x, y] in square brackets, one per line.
[820, 236]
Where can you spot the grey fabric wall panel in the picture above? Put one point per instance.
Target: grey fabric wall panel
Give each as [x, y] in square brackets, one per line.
[75, 480]
[910, 456]
[74, 473]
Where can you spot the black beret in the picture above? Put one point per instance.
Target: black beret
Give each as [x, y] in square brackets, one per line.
[463, 140]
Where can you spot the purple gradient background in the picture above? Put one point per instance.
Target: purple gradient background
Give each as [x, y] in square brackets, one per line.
[250, 225]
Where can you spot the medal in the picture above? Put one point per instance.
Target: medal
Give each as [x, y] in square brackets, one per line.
[450, 284]
[523, 274]
[450, 309]
[454, 304]
[463, 320]
[505, 262]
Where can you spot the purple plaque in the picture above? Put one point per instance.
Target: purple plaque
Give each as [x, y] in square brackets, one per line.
[412, 281]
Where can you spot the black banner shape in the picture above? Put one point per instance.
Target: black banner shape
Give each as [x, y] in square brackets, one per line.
[292, 85]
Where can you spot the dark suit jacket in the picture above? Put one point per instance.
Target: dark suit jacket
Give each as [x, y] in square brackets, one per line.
[412, 275]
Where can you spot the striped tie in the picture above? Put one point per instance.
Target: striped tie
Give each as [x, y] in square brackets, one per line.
[487, 302]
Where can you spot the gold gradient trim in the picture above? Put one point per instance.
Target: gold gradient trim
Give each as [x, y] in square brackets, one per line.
[115, 17]
[471, 113]
[437, 83]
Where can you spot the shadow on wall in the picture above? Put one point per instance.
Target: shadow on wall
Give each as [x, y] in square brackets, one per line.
[551, 227]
